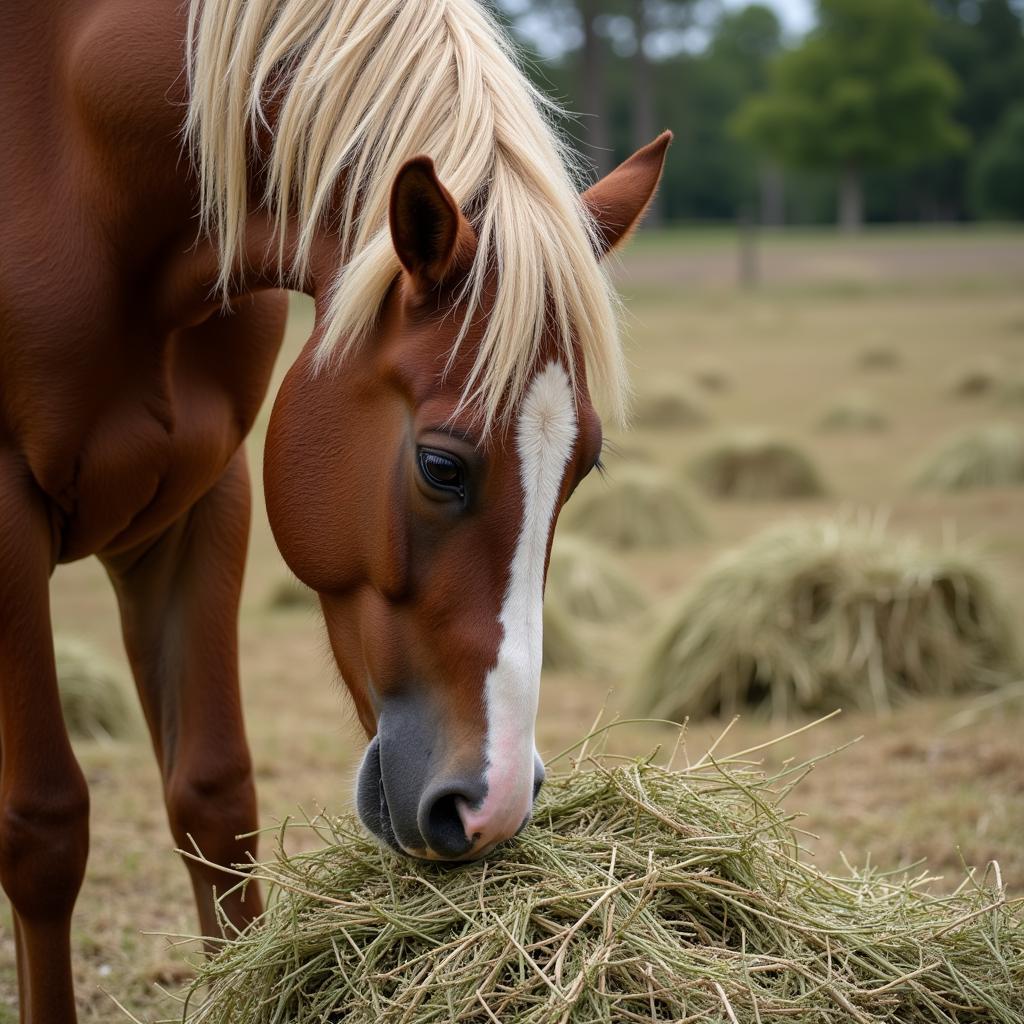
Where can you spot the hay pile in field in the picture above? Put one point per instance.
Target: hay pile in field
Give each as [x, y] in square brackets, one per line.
[637, 506]
[974, 381]
[290, 594]
[94, 696]
[753, 466]
[853, 413]
[712, 378]
[825, 615]
[563, 649]
[1012, 392]
[589, 583]
[670, 409]
[990, 456]
[637, 894]
[879, 357]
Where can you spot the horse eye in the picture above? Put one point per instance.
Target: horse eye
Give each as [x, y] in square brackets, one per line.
[441, 471]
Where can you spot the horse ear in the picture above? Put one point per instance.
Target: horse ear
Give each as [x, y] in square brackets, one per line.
[619, 200]
[428, 229]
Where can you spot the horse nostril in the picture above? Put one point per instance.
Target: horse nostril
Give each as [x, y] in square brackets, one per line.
[442, 825]
[539, 775]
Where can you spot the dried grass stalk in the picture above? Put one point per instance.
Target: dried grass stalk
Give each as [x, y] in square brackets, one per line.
[834, 614]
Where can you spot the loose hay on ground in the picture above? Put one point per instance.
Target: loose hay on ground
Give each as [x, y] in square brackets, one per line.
[94, 695]
[637, 506]
[853, 413]
[817, 616]
[752, 466]
[670, 409]
[988, 456]
[636, 894]
[589, 583]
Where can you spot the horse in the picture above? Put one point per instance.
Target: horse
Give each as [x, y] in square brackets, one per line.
[168, 171]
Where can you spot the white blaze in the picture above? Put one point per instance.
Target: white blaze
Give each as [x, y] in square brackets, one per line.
[545, 436]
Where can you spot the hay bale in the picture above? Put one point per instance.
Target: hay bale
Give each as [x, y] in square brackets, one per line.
[974, 381]
[636, 893]
[1012, 392]
[756, 467]
[670, 409]
[589, 583]
[94, 695]
[712, 378]
[988, 456]
[879, 357]
[855, 413]
[810, 617]
[563, 650]
[290, 594]
[638, 506]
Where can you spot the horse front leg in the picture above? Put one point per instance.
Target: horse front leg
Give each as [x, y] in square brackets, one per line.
[179, 614]
[44, 802]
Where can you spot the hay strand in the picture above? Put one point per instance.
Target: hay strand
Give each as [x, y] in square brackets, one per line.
[809, 617]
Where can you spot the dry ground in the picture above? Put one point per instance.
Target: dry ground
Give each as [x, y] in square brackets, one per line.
[942, 781]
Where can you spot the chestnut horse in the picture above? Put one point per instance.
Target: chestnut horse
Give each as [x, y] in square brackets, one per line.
[166, 172]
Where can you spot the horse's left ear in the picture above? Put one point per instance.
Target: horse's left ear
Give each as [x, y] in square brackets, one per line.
[428, 230]
[619, 200]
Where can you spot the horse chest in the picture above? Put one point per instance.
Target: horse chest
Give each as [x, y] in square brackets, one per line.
[134, 433]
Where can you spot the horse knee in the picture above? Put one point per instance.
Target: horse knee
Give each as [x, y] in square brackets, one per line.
[210, 808]
[44, 845]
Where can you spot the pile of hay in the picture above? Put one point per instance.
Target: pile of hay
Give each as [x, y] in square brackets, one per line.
[94, 696]
[989, 456]
[290, 594]
[670, 409]
[589, 583]
[818, 616]
[753, 466]
[1012, 392]
[853, 413]
[637, 894]
[879, 357]
[638, 506]
[974, 381]
[712, 378]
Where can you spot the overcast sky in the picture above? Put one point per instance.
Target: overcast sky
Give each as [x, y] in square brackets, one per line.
[795, 14]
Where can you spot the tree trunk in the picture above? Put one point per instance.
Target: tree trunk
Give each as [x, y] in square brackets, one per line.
[643, 97]
[772, 188]
[593, 90]
[851, 199]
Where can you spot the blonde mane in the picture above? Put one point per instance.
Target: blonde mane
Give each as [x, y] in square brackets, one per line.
[360, 86]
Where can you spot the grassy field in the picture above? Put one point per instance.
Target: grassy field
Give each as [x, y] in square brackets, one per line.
[942, 781]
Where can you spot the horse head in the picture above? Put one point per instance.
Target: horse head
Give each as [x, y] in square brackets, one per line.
[426, 531]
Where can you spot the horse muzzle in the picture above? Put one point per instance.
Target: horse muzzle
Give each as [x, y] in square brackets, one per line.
[428, 803]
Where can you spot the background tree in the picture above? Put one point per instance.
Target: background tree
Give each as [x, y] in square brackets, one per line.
[862, 91]
[997, 184]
